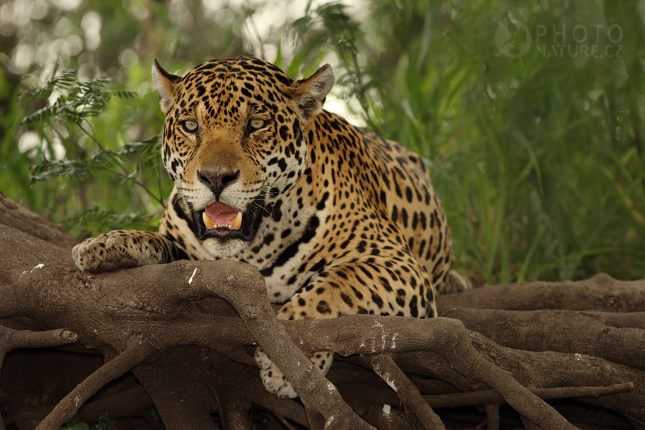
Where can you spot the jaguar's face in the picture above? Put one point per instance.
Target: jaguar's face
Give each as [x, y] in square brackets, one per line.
[234, 142]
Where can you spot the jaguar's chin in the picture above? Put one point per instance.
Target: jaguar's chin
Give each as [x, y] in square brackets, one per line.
[227, 249]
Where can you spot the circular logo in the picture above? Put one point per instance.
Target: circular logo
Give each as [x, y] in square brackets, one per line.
[512, 37]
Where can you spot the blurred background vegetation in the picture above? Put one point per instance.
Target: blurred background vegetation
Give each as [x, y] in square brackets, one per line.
[530, 118]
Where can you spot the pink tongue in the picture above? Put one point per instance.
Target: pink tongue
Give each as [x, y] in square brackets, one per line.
[221, 213]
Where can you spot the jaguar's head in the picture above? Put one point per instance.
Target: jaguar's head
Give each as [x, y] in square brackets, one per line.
[234, 142]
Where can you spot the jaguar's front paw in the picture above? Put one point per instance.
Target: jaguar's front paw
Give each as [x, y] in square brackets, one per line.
[116, 249]
[101, 254]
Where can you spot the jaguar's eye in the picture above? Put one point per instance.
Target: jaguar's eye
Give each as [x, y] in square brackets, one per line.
[190, 125]
[257, 123]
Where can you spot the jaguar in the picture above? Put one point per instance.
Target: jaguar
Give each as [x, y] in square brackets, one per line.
[337, 219]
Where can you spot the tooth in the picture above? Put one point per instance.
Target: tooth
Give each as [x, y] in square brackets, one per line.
[208, 222]
[237, 221]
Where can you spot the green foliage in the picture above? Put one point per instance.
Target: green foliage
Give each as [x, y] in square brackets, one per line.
[83, 100]
[96, 220]
[101, 160]
[538, 159]
[73, 424]
[71, 123]
[536, 152]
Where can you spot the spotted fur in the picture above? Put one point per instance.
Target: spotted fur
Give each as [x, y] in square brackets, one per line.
[338, 220]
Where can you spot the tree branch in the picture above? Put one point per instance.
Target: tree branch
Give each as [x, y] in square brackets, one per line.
[492, 416]
[411, 399]
[545, 369]
[584, 333]
[14, 215]
[13, 339]
[66, 408]
[465, 359]
[443, 336]
[243, 287]
[600, 293]
[491, 397]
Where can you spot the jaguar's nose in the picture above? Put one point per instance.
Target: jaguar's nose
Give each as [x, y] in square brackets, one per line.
[218, 179]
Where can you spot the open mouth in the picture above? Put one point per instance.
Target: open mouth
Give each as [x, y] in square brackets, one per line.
[225, 222]
[221, 216]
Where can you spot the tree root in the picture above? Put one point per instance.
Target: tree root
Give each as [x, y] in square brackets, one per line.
[585, 332]
[492, 416]
[491, 397]
[600, 293]
[445, 337]
[242, 286]
[66, 408]
[177, 328]
[411, 398]
[19, 217]
[13, 339]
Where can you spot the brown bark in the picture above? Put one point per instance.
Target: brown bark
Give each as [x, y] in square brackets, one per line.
[14, 215]
[589, 333]
[600, 293]
[186, 331]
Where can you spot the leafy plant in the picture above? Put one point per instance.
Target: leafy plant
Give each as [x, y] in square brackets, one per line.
[83, 100]
[103, 159]
[537, 159]
[69, 122]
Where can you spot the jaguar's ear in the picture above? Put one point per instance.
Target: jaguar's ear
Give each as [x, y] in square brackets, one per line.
[166, 85]
[309, 95]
